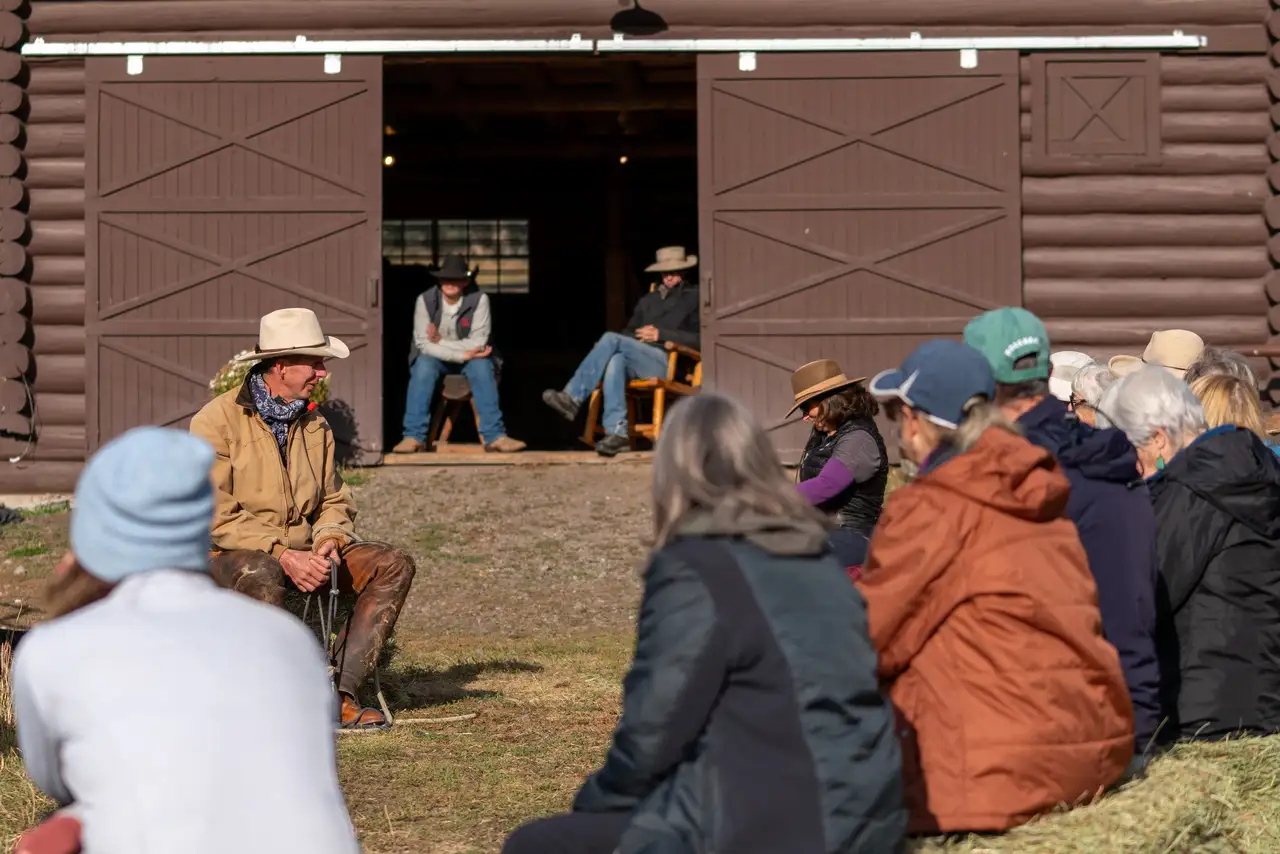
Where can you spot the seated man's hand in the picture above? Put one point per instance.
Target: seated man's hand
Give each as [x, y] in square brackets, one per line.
[327, 549]
[433, 334]
[648, 334]
[306, 570]
[477, 353]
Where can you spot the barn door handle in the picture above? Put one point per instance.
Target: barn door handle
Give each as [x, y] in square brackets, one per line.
[373, 291]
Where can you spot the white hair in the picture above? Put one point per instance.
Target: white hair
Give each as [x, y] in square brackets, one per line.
[1091, 383]
[1152, 399]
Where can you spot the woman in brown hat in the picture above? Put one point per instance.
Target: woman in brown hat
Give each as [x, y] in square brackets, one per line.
[845, 466]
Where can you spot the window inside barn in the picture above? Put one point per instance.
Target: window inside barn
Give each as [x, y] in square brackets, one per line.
[1085, 107]
[496, 249]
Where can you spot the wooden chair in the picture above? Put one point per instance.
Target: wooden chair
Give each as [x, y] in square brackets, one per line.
[455, 396]
[654, 391]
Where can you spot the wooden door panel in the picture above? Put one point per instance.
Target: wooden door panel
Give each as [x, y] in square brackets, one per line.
[218, 190]
[852, 206]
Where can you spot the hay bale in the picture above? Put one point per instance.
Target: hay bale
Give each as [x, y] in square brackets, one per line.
[8, 724]
[1208, 797]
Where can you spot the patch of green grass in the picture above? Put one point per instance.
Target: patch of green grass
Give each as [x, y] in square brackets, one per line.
[54, 509]
[355, 477]
[29, 551]
[433, 536]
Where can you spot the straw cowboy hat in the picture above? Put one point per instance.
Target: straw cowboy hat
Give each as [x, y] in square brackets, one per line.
[818, 378]
[1172, 349]
[294, 332]
[672, 259]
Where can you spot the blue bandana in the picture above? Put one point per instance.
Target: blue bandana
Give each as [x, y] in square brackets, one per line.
[277, 414]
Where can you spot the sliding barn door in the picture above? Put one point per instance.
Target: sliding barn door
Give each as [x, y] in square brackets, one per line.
[852, 206]
[217, 190]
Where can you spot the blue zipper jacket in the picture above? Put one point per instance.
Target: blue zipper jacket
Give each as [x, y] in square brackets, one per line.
[1111, 509]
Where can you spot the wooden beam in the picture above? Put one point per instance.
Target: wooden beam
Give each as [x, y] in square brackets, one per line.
[409, 102]
[612, 148]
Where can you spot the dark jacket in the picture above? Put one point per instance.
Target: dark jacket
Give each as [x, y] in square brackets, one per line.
[751, 718]
[1111, 509]
[858, 506]
[1218, 515]
[675, 315]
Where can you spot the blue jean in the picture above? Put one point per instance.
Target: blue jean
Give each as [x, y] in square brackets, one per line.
[426, 373]
[616, 359]
[849, 546]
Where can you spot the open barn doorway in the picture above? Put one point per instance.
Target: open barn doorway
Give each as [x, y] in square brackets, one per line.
[558, 179]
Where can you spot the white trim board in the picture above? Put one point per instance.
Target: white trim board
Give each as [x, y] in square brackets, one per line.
[576, 44]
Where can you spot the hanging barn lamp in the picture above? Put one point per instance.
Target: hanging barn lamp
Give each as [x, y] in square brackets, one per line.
[637, 21]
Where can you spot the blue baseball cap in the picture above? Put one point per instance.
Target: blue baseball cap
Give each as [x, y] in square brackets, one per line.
[937, 380]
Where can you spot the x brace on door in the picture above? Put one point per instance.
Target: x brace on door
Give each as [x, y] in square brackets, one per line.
[241, 139]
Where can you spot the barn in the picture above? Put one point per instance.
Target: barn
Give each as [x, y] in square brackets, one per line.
[855, 177]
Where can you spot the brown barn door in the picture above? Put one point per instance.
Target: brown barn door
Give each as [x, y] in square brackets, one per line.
[217, 190]
[852, 206]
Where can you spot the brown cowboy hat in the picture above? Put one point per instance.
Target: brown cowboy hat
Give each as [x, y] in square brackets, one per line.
[818, 378]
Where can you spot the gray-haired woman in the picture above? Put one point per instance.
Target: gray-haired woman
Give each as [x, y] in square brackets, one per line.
[1087, 388]
[1216, 495]
[751, 715]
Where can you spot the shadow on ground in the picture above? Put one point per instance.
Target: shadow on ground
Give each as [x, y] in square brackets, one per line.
[421, 687]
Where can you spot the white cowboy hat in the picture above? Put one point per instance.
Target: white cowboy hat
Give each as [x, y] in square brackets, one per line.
[1066, 364]
[1175, 350]
[671, 259]
[294, 332]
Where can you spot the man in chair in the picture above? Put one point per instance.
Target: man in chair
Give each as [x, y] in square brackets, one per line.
[668, 313]
[283, 518]
[451, 326]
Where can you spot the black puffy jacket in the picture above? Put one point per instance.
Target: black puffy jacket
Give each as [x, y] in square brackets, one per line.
[1217, 509]
[752, 720]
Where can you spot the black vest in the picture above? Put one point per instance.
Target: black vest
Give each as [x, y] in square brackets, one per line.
[858, 507]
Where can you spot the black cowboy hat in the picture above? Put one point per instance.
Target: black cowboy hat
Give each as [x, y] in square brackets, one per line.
[453, 269]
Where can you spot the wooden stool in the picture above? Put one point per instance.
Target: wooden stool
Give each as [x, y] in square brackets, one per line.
[455, 393]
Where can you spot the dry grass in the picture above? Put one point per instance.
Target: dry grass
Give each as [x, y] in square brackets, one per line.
[521, 614]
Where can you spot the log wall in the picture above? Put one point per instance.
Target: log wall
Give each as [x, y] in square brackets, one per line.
[1112, 253]
[17, 364]
[50, 144]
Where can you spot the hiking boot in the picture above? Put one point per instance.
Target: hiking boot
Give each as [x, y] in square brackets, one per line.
[611, 445]
[409, 445]
[562, 403]
[354, 716]
[505, 445]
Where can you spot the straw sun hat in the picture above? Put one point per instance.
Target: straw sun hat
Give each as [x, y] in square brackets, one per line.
[818, 378]
[294, 332]
[1172, 349]
[672, 259]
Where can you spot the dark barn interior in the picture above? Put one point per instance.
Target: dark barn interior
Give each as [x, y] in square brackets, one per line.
[559, 179]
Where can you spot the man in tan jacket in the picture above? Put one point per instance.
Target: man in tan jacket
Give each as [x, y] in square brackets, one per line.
[284, 518]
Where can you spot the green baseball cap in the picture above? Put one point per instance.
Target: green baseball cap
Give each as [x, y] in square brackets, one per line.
[1006, 335]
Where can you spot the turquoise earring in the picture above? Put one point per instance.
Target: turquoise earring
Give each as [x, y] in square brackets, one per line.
[1159, 463]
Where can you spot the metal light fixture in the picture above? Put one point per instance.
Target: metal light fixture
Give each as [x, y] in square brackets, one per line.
[637, 21]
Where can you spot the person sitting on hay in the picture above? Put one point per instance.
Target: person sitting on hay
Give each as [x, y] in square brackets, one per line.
[159, 711]
[285, 520]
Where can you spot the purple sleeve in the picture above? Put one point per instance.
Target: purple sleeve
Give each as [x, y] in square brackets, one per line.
[830, 482]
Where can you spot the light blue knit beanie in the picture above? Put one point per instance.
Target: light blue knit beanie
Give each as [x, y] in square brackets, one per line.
[144, 502]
